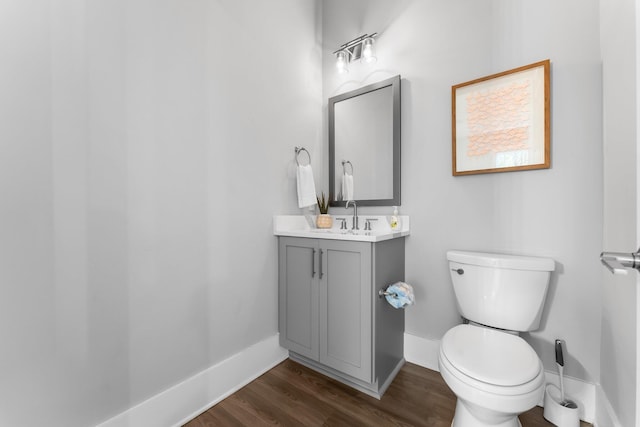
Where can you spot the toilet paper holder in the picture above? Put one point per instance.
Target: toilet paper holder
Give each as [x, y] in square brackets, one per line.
[384, 293]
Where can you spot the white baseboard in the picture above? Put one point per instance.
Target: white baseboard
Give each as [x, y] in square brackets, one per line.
[606, 416]
[200, 392]
[424, 352]
[421, 351]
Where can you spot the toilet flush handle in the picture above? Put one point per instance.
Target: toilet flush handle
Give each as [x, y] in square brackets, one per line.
[458, 270]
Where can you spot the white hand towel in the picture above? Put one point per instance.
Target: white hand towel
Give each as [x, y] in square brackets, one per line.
[306, 186]
[347, 187]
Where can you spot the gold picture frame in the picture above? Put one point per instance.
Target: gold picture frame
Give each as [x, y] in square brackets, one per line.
[501, 123]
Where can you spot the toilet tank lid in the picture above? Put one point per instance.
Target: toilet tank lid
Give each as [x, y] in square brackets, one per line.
[514, 262]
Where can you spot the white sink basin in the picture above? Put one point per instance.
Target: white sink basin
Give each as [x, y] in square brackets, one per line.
[304, 226]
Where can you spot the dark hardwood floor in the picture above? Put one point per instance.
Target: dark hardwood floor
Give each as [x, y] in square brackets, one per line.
[293, 395]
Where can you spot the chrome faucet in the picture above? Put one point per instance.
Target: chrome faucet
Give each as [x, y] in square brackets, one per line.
[354, 222]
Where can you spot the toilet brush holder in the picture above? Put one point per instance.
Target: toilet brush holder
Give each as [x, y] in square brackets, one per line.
[557, 413]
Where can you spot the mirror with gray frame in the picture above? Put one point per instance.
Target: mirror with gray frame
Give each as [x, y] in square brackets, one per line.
[364, 145]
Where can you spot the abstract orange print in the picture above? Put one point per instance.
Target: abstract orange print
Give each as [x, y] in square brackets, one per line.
[498, 119]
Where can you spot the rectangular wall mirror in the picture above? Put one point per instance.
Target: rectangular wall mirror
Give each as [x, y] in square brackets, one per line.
[364, 145]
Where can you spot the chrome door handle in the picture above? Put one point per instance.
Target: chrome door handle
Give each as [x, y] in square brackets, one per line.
[620, 262]
[321, 263]
[313, 263]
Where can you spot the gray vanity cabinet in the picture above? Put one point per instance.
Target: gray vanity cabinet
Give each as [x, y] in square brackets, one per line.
[330, 316]
[298, 296]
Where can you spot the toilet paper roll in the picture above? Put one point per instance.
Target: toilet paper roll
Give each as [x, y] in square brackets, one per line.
[399, 295]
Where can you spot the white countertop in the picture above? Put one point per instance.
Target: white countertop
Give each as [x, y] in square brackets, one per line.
[304, 226]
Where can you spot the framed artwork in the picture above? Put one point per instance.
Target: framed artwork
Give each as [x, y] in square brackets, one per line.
[501, 123]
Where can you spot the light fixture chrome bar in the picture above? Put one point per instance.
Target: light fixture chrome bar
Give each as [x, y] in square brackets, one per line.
[355, 41]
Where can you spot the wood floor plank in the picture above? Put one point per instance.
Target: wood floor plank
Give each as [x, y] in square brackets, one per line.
[297, 406]
[219, 417]
[293, 395]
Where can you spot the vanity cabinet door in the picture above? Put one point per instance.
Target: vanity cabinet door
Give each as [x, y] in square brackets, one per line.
[345, 307]
[298, 295]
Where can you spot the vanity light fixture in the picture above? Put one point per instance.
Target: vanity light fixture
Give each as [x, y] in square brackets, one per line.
[362, 48]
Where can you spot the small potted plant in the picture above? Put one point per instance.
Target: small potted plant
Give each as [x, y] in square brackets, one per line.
[323, 220]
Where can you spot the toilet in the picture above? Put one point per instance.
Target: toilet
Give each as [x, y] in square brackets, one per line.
[494, 373]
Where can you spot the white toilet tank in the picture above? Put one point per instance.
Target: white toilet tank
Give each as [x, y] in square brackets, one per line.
[502, 291]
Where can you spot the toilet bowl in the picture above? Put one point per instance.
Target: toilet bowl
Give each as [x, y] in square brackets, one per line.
[493, 372]
[495, 375]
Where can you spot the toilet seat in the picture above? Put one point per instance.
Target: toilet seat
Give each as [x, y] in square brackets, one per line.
[491, 360]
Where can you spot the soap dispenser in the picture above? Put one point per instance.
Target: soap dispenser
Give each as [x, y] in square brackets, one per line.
[394, 221]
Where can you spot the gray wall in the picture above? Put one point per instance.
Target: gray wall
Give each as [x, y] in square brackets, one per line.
[144, 147]
[555, 212]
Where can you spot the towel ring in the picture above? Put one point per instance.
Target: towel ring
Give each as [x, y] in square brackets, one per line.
[344, 166]
[298, 150]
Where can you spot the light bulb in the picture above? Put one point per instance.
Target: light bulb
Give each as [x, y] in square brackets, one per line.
[368, 51]
[342, 62]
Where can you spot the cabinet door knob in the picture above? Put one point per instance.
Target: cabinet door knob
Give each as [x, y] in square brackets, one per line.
[321, 263]
[313, 263]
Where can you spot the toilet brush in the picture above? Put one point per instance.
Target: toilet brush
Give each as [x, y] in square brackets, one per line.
[560, 362]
